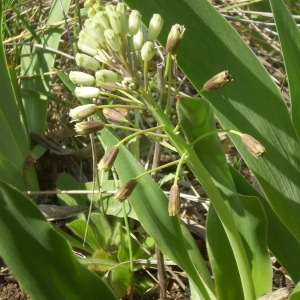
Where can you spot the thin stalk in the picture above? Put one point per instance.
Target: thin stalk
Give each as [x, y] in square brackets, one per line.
[203, 176]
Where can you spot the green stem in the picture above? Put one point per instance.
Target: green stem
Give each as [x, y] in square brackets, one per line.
[181, 161]
[203, 176]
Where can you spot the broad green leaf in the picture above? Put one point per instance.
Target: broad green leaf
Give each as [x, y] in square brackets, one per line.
[39, 257]
[14, 139]
[289, 37]
[37, 62]
[250, 104]
[197, 121]
[102, 229]
[120, 279]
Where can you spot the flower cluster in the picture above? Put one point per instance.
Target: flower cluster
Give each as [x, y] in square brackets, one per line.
[114, 38]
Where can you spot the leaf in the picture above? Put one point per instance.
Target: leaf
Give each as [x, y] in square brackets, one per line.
[44, 265]
[289, 36]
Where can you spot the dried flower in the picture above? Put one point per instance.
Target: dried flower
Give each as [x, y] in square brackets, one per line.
[81, 78]
[87, 92]
[113, 115]
[174, 37]
[83, 111]
[174, 201]
[108, 159]
[155, 26]
[217, 81]
[88, 127]
[253, 145]
[147, 51]
[125, 191]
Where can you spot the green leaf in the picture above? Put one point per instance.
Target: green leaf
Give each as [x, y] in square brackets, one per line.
[39, 257]
[120, 279]
[198, 123]
[37, 62]
[14, 139]
[289, 37]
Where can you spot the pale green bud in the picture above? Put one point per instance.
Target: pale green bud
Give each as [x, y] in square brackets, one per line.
[88, 3]
[86, 61]
[81, 112]
[134, 22]
[129, 83]
[155, 26]
[121, 8]
[86, 49]
[115, 21]
[138, 40]
[101, 17]
[95, 29]
[88, 127]
[174, 37]
[81, 78]
[147, 51]
[86, 38]
[112, 39]
[106, 76]
[110, 8]
[87, 92]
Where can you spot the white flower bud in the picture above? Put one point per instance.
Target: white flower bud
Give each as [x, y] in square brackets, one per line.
[112, 39]
[81, 78]
[87, 92]
[147, 51]
[87, 62]
[138, 40]
[155, 26]
[134, 22]
[106, 76]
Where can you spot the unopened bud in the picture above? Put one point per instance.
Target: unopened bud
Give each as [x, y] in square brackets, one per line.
[83, 111]
[125, 191]
[86, 49]
[147, 51]
[130, 83]
[174, 37]
[86, 38]
[122, 9]
[155, 26]
[108, 159]
[115, 21]
[217, 81]
[113, 115]
[112, 39]
[81, 78]
[87, 92]
[88, 127]
[253, 145]
[134, 22]
[86, 61]
[106, 76]
[95, 29]
[101, 17]
[174, 201]
[138, 40]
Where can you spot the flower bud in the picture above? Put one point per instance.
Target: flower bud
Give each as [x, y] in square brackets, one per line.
[125, 191]
[130, 83]
[108, 159]
[106, 76]
[134, 22]
[217, 81]
[101, 17]
[113, 115]
[81, 78]
[122, 9]
[95, 29]
[87, 39]
[155, 26]
[174, 37]
[86, 61]
[174, 201]
[88, 127]
[87, 92]
[83, 111]
[115, 21]
[254, 146]
[86, 49]
[138, 40]
[147, 51]
[112, 39]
